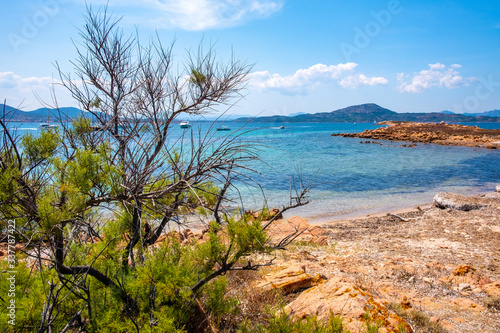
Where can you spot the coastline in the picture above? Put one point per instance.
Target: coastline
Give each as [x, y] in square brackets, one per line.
[379, 204]
[441, 262]
[436, 133]
[399, 211]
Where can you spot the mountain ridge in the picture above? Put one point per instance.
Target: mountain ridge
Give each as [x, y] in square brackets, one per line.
[42, 114]
[371, 112]
[362, 113]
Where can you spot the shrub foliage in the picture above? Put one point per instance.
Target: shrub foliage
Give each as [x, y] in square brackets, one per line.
[93, 200]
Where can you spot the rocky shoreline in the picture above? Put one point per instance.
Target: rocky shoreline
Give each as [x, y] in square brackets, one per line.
[442, 133]
[424, 270]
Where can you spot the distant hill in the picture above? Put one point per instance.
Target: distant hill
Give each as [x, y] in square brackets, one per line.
[212, 117]
[296, 114]
[364, 113]
[369, 113]
[68, 113]
[42, 114]
[493, 113]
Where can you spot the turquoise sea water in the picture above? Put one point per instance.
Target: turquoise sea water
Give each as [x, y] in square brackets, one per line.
[355, 178]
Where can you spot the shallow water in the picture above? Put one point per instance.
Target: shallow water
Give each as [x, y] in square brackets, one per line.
[354, 178]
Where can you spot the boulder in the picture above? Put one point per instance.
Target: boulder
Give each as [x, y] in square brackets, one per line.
[280, 229]
[465, 274]
[492, 289]
[273, 213]
[290, 280]
[445, 200]
[467, 304]
[339, 296]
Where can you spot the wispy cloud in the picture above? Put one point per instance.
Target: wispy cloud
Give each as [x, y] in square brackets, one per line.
[197, 14]
[305, 79]
[438, 75]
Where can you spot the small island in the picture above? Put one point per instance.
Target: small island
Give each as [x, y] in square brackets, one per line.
[437, 133]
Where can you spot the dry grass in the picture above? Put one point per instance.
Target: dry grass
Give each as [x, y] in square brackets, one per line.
[416, 318]
[253, 305]
[492, 302]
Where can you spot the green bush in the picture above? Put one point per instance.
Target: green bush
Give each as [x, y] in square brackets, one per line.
[280, 322]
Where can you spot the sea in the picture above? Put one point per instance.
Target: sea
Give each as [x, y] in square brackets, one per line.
[348, 176]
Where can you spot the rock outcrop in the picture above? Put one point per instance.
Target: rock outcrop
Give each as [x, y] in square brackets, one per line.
[290, 280]
[492, 289]
[455, 201]
[342, 297]
[306, 232]
[466, 277]
[443, 134]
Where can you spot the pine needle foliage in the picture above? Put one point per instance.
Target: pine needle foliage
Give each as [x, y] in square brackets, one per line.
[98, 203]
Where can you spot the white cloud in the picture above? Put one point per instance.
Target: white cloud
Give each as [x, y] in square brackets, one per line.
[10, 80]
[354, 81]
[24, 92]
[305, 79]
[438, 75]
[199, 14]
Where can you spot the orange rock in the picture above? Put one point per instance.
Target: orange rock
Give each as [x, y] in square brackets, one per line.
[282, 228]
[467, 304]
[466, 274]
[341, 297]
[321, 240]
[463, 270]
[298, 222]
[290, 280]
[317, 231]
[492, 289]
[405, 303]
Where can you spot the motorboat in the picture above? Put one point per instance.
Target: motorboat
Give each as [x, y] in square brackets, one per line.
[47, 125]
[223, 128]
[184, 124]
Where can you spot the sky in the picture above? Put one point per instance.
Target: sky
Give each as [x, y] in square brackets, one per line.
[307, 56]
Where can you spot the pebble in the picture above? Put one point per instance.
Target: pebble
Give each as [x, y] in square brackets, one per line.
[428, 280]
[464, 287]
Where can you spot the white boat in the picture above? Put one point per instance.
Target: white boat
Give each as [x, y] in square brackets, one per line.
[282, 127]
[184, 124]
[47, 125]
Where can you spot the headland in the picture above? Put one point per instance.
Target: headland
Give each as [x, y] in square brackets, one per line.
[436, 133]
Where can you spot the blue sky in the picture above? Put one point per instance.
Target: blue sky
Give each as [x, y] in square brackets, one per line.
[308, 56]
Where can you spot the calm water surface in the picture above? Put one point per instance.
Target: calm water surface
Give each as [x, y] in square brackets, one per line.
[355, 178]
